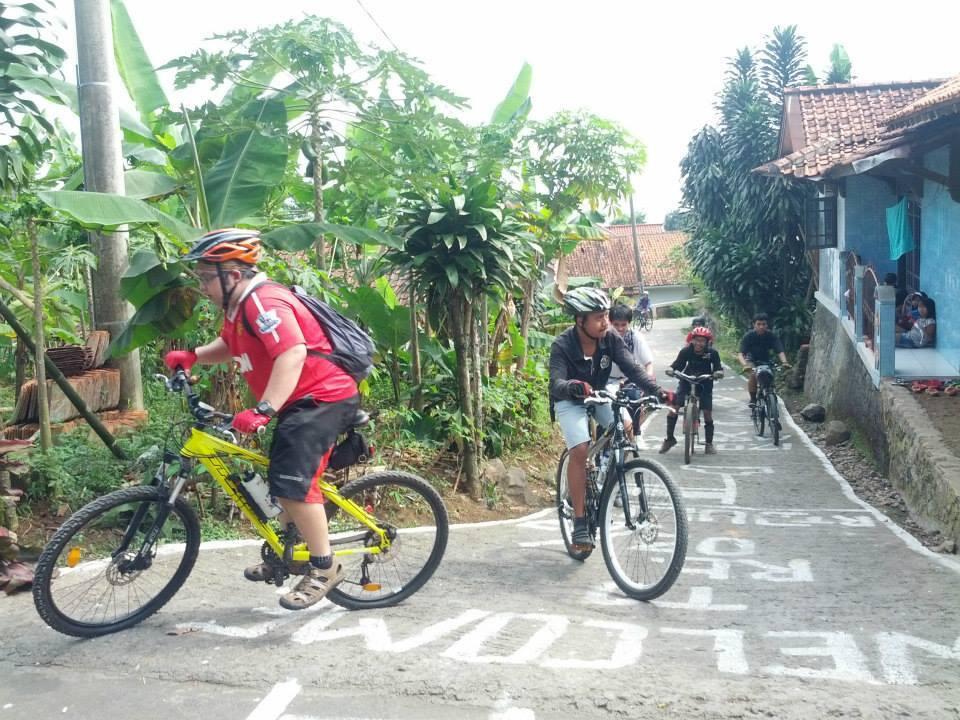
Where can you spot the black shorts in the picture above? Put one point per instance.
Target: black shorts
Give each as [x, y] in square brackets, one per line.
[706, 394]
[305, 434]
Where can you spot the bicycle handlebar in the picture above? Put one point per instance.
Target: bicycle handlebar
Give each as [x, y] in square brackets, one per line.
[180, 382]
[693, 378]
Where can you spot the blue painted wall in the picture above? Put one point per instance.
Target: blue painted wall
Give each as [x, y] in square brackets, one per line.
[865, 222]
[940, 257]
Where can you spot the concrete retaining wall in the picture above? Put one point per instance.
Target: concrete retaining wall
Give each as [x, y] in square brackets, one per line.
[907, 447]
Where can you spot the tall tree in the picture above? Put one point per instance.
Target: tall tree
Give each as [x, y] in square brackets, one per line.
[745, 242]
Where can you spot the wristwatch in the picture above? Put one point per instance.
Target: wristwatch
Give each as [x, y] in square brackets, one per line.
[265, 408]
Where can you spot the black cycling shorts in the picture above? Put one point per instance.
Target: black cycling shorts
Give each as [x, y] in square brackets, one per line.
[706, 394]
[305, 434]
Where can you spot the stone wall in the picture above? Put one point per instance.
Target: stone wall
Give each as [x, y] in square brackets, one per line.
[906, 445]
[920, 466]
[836, 378]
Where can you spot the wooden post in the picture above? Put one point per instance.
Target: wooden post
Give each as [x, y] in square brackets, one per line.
[39, 349]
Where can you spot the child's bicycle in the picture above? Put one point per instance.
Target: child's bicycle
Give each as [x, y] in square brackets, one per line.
[119, 559]
[634, 504]
[691, 411]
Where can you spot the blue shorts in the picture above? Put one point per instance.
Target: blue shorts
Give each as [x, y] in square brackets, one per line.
[572, 417]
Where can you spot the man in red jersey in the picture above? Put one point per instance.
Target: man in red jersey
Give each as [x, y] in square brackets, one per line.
[278, 343]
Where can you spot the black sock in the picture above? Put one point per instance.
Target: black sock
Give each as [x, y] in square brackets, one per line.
[753, 397]
[322, 562]
[671, 425]
[579, 522]
[709, 430]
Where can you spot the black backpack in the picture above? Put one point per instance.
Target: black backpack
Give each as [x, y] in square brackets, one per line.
[352, 347]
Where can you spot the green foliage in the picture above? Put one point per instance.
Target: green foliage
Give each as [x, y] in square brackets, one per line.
[28, 60]
[79, 468]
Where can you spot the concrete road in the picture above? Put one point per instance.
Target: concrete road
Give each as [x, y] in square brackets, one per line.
[796, 601]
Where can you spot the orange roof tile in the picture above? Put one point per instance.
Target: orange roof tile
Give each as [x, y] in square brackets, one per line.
[840, 123]
[612, 259]
[942, 100]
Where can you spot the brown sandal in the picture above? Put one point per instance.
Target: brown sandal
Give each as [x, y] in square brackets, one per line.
[312, 588]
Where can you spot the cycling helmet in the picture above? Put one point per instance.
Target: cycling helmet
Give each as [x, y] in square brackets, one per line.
[584, 300]
[701, 331]
[228, 244]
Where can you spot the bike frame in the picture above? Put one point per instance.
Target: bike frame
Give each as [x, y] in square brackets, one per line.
[614, 439]
[212, 452]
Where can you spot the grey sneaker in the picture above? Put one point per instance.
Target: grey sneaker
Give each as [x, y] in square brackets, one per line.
[668, 443]
[709, 449]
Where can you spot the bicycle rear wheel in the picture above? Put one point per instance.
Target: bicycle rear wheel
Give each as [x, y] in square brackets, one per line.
[99, 574]
[565, 509]
[644, 561]
[759, 414]
[648, 322]
[773, 416]
[414, 515]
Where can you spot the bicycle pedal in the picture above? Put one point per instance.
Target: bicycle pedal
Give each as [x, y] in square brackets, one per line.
[582, 548]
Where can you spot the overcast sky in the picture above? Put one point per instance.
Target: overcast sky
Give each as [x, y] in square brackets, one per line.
[653, 67]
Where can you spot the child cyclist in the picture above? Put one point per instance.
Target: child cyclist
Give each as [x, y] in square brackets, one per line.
[620, 317]
[697, 358]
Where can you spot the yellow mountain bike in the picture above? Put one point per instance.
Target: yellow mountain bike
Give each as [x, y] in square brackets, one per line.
[122, 557]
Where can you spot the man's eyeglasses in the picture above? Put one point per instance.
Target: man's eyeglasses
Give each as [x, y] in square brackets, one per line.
[205, 277]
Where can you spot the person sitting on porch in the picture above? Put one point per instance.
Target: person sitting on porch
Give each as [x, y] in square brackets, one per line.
[923, 332]
[909, 312]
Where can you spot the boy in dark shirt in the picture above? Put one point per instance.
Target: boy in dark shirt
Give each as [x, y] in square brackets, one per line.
[755, 349]
[697, 358]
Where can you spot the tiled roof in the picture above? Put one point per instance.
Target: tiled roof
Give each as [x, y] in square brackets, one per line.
[612, 259]
[840, 123]
[942, 100]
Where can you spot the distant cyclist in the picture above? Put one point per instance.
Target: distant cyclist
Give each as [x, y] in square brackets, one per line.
[581, 359]
[697, 358]
[756, 348]
[643, 306]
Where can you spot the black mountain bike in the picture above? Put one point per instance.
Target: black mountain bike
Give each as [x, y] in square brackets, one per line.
[634, 504]
[766, 411]
[691, 411]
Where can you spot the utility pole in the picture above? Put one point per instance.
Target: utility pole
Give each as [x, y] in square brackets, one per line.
[636, 247]
[103, 172]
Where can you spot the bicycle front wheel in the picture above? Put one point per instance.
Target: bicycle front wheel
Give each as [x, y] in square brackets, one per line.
[689, 418]
[100, 573]
[759, 414]
[648, 322]
[773, 415]
[414, 516]
[644, 561]
[565, 509]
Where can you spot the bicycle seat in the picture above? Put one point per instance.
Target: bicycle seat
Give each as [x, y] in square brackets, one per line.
[360, 419]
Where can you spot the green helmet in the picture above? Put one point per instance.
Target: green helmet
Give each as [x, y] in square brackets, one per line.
[584, 300]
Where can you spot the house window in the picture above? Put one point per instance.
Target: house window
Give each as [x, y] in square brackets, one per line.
[820, 218]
